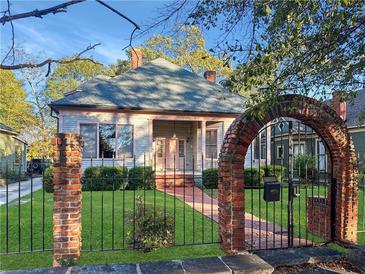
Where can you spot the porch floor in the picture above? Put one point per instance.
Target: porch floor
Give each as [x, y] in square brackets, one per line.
[258, 234]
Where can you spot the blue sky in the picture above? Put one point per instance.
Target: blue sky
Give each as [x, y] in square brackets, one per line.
[83, 24]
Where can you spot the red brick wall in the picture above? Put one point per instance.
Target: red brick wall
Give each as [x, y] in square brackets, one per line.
[67, 197]
[240, 135]
[319, 216]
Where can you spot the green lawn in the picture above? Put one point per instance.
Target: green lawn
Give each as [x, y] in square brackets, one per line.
[255, 204]
[93, 238]
[98, 232]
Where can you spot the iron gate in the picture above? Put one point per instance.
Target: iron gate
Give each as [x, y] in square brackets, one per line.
[288, 186]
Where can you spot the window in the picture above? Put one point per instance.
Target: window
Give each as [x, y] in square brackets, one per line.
[181, 148]
[211, 143]
[107, 140]
[256, 148]
[18, 154]
[279, 152]
[88, 135]
[159, 148]
[321, 156]
[298, 149]
[263, 145]
[124, 141]
[115, 141]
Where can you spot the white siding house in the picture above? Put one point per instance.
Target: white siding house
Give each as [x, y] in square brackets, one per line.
[158, 114]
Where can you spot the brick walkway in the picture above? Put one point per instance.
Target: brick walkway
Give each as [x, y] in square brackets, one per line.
[259, 234]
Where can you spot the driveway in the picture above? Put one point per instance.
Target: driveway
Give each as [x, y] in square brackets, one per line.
[13, 190]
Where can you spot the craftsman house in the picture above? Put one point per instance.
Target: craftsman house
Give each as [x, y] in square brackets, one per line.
[157, 113]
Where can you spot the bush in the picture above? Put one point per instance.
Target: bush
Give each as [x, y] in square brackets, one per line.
[210, 178]
[104, 178]
[141, 178]
[48, 179]
[153, 229]
[253, 176]
[275, 170]
[306, 166]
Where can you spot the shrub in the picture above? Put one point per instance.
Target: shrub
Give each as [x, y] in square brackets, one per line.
[210, 178]
[48, 179]
[253, 176]
[153, 229]
[275, 170]
[306, 166]
[141, 178]
[104, 178]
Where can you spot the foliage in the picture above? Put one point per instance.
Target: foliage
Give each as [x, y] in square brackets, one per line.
[48, 179]
[185, 48]
[12, 176]
[253, 176]
[141, 178]
[210, 178]
[15, 111]
[306, 166]
[67, 77]
[101, 178]
[120, 67]
[153, 228]
[307, 47]
[275, 170]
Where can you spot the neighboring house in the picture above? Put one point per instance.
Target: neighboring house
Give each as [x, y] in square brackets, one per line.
[305, 141]
[12, 151]
[157, 113]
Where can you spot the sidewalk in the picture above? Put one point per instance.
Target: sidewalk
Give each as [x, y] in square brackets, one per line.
[13, 190]
[259, 232]
[263, 262]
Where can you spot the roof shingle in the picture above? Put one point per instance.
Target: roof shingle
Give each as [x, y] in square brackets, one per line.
[159, 86]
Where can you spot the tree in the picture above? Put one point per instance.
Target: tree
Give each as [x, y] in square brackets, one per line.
[15, 111]
[9, 17]
[120, 67]
[67, 77]
[187, 49]
[306, 47]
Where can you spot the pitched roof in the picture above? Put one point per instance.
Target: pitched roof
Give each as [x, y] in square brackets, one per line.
[159, 86]
[7, 129]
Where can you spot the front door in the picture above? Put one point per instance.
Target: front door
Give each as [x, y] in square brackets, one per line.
[170, 153]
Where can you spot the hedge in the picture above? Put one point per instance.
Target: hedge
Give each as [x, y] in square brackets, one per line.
[141, 178]
[253, 177]
[104, 178]
[210, 178]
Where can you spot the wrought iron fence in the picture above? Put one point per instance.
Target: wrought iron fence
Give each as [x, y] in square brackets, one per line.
[172, 203]
[25, 207]
[149, 202]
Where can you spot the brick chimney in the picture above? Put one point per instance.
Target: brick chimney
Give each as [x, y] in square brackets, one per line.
[136, 58]
[210, 75]
[339, 105]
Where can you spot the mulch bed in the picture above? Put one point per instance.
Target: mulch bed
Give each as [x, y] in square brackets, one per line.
[339, 266]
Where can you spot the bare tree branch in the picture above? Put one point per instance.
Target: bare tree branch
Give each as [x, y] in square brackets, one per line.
[39, 13]
[119, 13]
[49, 62]
[172, 10]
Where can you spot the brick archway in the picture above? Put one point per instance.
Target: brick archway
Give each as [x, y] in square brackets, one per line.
[240, 135]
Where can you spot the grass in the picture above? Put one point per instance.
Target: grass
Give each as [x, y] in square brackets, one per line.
[98, 231]
[98, 234]
[255, 204]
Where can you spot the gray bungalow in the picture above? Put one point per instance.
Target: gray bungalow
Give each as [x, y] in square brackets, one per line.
[158, 113]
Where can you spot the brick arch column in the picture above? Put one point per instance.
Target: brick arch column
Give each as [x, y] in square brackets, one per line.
[324, 120]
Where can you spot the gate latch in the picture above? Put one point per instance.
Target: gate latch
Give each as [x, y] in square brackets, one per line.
[271, 189]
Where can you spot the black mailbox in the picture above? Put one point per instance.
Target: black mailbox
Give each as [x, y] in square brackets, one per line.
[271, 189]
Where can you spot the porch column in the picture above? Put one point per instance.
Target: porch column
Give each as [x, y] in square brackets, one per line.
[203, 136]
[149, 155]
